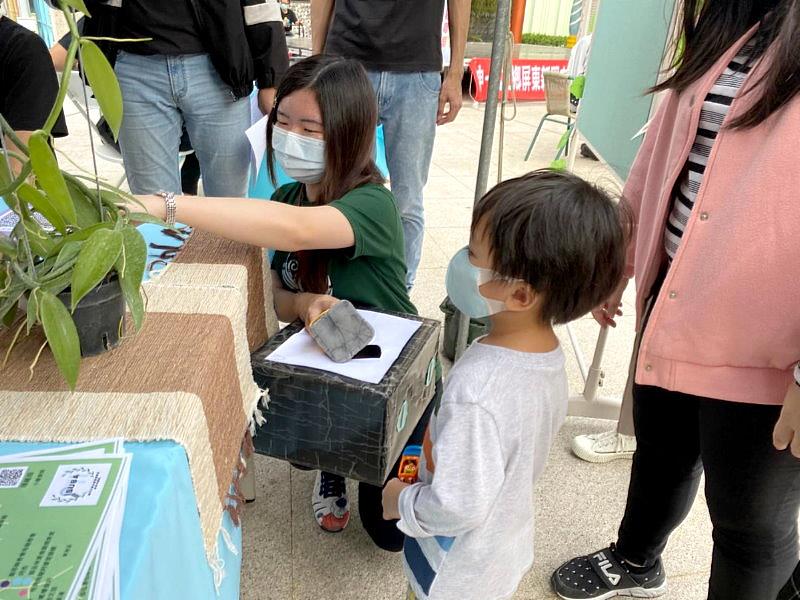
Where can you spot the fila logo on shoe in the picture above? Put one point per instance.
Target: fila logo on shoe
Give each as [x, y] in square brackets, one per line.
[606, 566]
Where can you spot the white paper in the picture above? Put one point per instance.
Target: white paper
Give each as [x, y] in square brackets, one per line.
[257, 134]
[391, 334]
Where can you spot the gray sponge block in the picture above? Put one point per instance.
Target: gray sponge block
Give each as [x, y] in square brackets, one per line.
[341, 332]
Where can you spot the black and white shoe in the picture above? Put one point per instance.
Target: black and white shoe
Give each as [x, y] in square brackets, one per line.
[603, 575]
[329, 502]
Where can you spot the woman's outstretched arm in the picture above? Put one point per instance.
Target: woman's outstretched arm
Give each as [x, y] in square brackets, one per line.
[260, 223]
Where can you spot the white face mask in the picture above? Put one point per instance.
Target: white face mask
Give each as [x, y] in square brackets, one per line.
[463, 287]
[301, 158]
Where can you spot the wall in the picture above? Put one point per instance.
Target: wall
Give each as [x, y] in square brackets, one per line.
[547, 16]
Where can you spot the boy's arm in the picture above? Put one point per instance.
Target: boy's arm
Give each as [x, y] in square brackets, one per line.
[470, 469]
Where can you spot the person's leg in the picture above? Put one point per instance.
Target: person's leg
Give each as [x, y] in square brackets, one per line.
[190, 169]
[665, 474]
[664, 479]
[151, 124]
[385, 534]
[408, 103]
[216, 124]
[753, 494]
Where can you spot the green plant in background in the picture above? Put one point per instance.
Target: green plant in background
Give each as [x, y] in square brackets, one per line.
[542, 39]
[92, 238]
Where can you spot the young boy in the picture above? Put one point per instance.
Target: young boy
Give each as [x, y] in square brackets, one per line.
[544, 249]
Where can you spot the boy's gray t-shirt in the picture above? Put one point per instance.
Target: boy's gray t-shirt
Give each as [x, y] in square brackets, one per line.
[470, 522]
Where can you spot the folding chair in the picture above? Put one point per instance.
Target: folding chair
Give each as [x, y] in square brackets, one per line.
[556, 91]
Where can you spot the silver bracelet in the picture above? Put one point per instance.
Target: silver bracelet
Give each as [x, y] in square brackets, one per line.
[797, 374]
[170, 206]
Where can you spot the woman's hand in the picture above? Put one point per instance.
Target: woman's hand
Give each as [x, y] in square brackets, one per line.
[150, 204]
[606, 313]
[310, 306]
[391, 499]
[787, 429]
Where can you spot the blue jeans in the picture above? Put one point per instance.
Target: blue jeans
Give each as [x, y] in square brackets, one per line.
[407, 105]
[162, 93]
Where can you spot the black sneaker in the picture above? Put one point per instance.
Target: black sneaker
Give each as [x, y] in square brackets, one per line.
[586, 152]
[606, 575]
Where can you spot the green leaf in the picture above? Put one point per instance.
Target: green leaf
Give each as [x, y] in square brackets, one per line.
[96, 258]
[78, 236]
[49, 177]
[78, 5]
[8, 319]
[7, 247]
[562, 143]
[62, 336]
[58, 284]
[32, 312]
[5, 171]
[67, 253]
[104, 84]
[141, 217]
[41, 242]
[42, 205]
[85, 208]
[8, 304]
[559, 165]
[130, 266]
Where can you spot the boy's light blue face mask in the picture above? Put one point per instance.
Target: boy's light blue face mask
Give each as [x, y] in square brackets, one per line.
[302, 158]
[463, 282]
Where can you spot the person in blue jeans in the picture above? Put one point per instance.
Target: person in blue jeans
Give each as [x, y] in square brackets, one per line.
[194, 69]
[399, 42]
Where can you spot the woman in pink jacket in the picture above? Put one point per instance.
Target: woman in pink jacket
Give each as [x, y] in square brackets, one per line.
[716, 194]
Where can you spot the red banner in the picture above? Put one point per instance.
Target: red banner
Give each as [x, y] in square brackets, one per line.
[527, 77]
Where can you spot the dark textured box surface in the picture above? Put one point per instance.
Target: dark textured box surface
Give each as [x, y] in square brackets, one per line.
[327, 421]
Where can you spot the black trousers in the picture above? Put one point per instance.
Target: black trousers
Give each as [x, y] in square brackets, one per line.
[384, 533]
[753, 491]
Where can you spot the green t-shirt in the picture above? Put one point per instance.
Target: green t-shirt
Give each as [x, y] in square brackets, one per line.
[373, 271]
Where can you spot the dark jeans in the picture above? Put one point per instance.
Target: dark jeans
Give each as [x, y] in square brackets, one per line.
[753, 491]
[384, 533]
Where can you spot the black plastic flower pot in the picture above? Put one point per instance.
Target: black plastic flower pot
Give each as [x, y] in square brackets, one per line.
[99, 317]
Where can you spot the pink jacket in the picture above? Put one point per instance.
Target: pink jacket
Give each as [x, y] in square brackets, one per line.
[727, 322]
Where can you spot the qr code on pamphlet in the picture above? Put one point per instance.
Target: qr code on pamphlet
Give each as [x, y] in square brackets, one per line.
[11, 477]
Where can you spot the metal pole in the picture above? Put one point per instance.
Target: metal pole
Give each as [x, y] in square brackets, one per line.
[489, 120]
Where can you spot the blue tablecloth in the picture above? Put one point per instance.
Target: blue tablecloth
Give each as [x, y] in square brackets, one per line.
[161, 548]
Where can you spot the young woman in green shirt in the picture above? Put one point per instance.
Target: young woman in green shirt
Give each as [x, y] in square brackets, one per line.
[336, 232]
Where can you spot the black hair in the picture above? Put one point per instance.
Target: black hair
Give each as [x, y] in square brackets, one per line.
[710, 27]
[562, 235]
[349, 118]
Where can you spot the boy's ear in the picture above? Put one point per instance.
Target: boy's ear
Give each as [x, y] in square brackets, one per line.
[523, 297]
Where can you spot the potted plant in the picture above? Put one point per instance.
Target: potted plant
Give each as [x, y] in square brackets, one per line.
[74, 274]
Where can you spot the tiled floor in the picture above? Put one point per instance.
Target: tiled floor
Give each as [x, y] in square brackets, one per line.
[579, 505]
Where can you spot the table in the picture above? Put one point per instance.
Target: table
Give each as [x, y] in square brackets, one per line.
[209, 309]
[161, 548]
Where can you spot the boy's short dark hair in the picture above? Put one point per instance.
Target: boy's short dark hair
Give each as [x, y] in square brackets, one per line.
[562, 235]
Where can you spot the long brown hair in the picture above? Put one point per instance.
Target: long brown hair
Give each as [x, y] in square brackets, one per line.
[349, 117]
[710, 27]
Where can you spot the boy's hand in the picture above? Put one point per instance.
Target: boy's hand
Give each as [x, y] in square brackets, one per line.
[391, 498]
[607, 313]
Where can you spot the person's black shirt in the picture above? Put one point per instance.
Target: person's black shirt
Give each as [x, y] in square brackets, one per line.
[388, 35]
[28, 82]
[289, 19]
[170, 23]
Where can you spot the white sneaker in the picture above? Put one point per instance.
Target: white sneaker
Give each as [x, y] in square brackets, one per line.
[603, 447]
